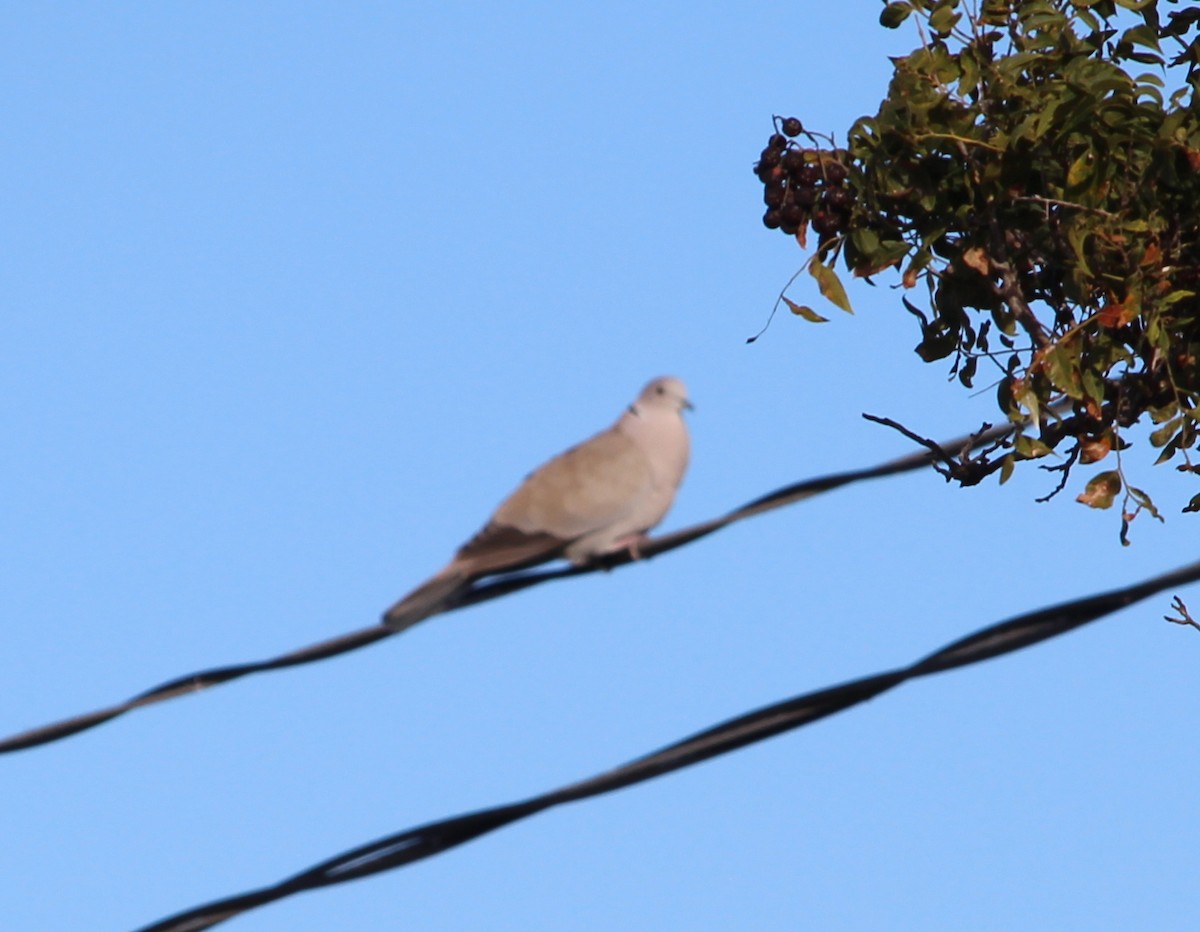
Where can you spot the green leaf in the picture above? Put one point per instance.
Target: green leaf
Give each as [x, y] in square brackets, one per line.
[1160, 437]
[1030, 448]
[830, 285]
[894, 14]
[1101, 490]
[995, 12]
[865, 241]
[1077, 236]
[1143, 501]
[1029, 400]
[1164, 414]
[1007, 465]
[1142, 35]
[1169, 451]
[1135, 4]
[1080, 171]
[1093, 385]
[936, 345]
[803, 310]
[967, 373]
[943, 20]
[1062, 363]
[1041, 124]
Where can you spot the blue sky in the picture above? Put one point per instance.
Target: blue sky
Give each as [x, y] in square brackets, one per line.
[296, 293]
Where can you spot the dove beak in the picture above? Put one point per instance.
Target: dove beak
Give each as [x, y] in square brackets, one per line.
[688, 405]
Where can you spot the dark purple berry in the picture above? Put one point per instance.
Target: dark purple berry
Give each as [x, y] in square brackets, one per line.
[793, 215]
[769, 174]
[838, 198]
[805, 197]
[773, 195]
[777, 142]
[810, 174]
[792, 127]
[835, 172]
[772, 220]
[793, 161]
[825, 223]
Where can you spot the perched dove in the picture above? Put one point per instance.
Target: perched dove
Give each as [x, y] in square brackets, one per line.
[596, 498]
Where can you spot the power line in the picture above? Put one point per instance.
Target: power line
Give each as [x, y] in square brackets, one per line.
[485, 590]
[424, 841]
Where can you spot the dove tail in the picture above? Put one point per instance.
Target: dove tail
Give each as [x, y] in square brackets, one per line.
[435, 595]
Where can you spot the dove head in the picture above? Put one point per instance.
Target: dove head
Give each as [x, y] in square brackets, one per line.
[664, 392]
[655, 425]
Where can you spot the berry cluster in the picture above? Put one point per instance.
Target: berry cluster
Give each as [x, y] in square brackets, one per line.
[802, 186]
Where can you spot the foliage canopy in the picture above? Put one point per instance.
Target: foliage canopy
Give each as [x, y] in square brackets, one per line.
[1033, 177]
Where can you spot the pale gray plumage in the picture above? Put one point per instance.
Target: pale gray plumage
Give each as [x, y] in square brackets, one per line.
[598, 497]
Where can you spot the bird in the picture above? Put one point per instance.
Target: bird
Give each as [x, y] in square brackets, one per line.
[599, 497]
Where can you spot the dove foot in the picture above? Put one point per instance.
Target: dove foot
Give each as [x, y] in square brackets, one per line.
[633, 544]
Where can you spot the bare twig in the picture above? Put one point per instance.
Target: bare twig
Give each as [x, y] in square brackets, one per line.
[1009, 290]
[1065, 468]
[961, 140]
[1071, 205]
[1185, 617]
[959, 466]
